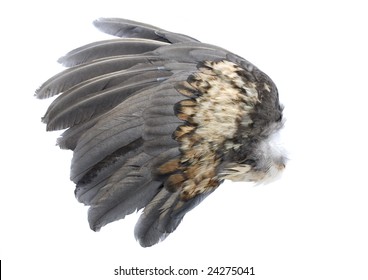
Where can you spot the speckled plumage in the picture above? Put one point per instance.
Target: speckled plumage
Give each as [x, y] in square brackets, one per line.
[157, 120]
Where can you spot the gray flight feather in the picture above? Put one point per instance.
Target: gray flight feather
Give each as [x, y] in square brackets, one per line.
[191, 52]
[99, 84]
[70, 137]
[130, 189]
[96, 103]
[163, 215]
[83, 72]
[108, 48]
[97, 177]
[131, 29]
[106, 137]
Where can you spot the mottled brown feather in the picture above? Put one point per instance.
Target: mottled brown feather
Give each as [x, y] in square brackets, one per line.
[186, 89]
[182, 130]
[169, 167]
[174, 182]
[221, 93]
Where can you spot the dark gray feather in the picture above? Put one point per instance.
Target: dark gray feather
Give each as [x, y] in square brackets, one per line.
[98, 176]
[70, 137]
[75, 75]
[104, 139]
[162, 216]
[108, 48]
[131, 29]
[159, 144]
[99, 84]
[192, 52]
[130, 189]
[95, 104]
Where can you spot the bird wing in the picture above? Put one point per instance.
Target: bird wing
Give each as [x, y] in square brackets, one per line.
[147, 119]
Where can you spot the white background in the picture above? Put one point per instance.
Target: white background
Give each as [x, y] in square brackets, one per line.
[311, 224]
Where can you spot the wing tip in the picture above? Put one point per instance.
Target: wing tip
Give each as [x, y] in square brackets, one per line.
[149, 238]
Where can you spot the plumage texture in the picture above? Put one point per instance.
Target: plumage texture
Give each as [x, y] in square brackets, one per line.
[157, 120]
